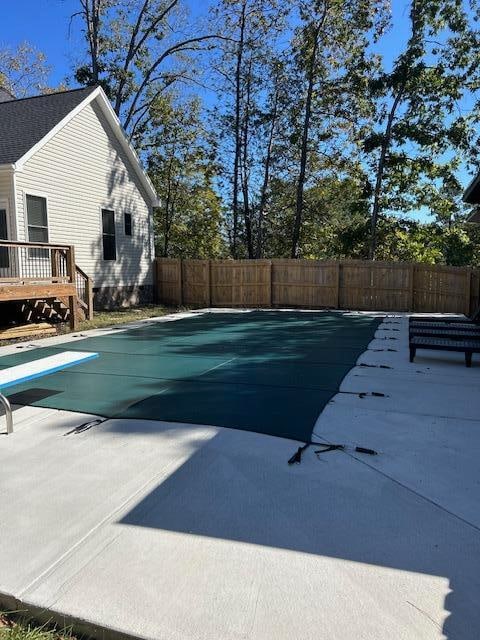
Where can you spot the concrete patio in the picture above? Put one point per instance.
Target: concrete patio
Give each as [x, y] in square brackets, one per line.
[169, 531]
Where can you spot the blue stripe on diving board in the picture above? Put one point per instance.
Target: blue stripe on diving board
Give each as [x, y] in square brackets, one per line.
[46, 372]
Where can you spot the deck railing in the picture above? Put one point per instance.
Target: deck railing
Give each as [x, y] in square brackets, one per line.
[33, 264]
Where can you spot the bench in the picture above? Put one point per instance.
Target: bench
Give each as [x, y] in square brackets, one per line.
[445, 332]
[37, 369]
[466, 346]
[447, 326]
[474, 318]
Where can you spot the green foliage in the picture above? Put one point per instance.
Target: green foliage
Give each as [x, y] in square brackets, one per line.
[418, 134]
[23, 70]
[372, 143]
[188, 221]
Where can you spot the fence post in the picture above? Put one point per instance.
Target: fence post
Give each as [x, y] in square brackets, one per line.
[337, 284]
[468, 274]
[180, 282]
[411, 306]
[208, 284]
[269, 281]
[158, 282]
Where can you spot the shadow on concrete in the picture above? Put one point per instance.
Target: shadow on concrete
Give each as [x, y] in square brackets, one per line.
[354, 514]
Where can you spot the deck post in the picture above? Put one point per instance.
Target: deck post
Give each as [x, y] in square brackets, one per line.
[89, 296]
[72, 300]
[54, 262]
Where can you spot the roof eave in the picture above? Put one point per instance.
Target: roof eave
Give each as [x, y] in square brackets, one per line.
[98, 94]
[470, 188]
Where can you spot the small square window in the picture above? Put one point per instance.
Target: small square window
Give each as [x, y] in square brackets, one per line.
[128, 223]
[4, 257]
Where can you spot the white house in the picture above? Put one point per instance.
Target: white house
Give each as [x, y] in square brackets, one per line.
[68, 175]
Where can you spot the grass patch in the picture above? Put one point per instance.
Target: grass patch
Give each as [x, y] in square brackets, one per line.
[16, 627]
[103, 319]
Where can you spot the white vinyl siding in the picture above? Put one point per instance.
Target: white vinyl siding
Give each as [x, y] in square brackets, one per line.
[82, 170]
[7, 200]
[5, 185]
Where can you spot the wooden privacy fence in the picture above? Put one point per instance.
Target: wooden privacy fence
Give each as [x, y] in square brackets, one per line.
[345, 284]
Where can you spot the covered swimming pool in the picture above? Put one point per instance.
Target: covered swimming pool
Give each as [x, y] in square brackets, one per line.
[266, 371]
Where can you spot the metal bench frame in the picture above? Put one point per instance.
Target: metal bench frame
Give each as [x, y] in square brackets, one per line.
[445, 344]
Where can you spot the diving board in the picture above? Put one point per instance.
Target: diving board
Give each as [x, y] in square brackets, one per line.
[36, 369]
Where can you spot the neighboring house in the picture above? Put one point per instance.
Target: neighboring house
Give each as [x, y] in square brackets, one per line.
[472, 196]
[68, 175]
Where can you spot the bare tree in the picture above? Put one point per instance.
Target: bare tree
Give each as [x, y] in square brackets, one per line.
[135, 53]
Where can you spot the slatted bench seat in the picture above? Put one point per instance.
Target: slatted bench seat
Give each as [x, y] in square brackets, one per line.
[459, 326]
[473, 319]
[442, 319]
[36, 369]
[445, 332]
[466, 346]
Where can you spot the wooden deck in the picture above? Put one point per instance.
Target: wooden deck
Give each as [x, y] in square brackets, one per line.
[39, 271]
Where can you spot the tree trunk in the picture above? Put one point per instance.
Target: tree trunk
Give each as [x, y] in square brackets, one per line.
[244, 166]
[238, 140]
[305, 134]
[92, 11]
[387, 136]
[266, 177]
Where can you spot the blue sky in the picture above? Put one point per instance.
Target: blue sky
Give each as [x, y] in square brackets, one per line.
[45, 23]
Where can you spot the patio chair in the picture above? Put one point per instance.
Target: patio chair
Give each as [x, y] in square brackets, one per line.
[466, 346]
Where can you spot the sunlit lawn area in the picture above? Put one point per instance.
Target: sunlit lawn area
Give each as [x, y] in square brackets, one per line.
[120, 316]
[14, 627]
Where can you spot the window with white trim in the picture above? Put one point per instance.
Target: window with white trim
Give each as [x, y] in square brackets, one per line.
[37, 223]
[127, 223]
[4, 256]
[108, 235]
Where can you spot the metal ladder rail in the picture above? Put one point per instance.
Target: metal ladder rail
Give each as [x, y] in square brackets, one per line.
[8, 412]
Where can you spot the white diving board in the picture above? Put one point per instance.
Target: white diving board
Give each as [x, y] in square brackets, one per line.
[37, 369]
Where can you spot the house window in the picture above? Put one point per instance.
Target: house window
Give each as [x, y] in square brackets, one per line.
[4, 258]
[127, 218]
[37, 224]
[108, 235]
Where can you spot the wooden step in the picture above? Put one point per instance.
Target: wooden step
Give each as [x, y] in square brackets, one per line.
[27, 330]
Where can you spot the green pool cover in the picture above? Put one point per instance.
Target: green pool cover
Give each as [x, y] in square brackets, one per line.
[271, 372]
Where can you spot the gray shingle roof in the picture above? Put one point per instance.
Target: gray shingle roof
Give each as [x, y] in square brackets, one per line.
[26, 121]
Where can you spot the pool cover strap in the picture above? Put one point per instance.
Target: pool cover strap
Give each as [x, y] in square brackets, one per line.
[326, 446]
